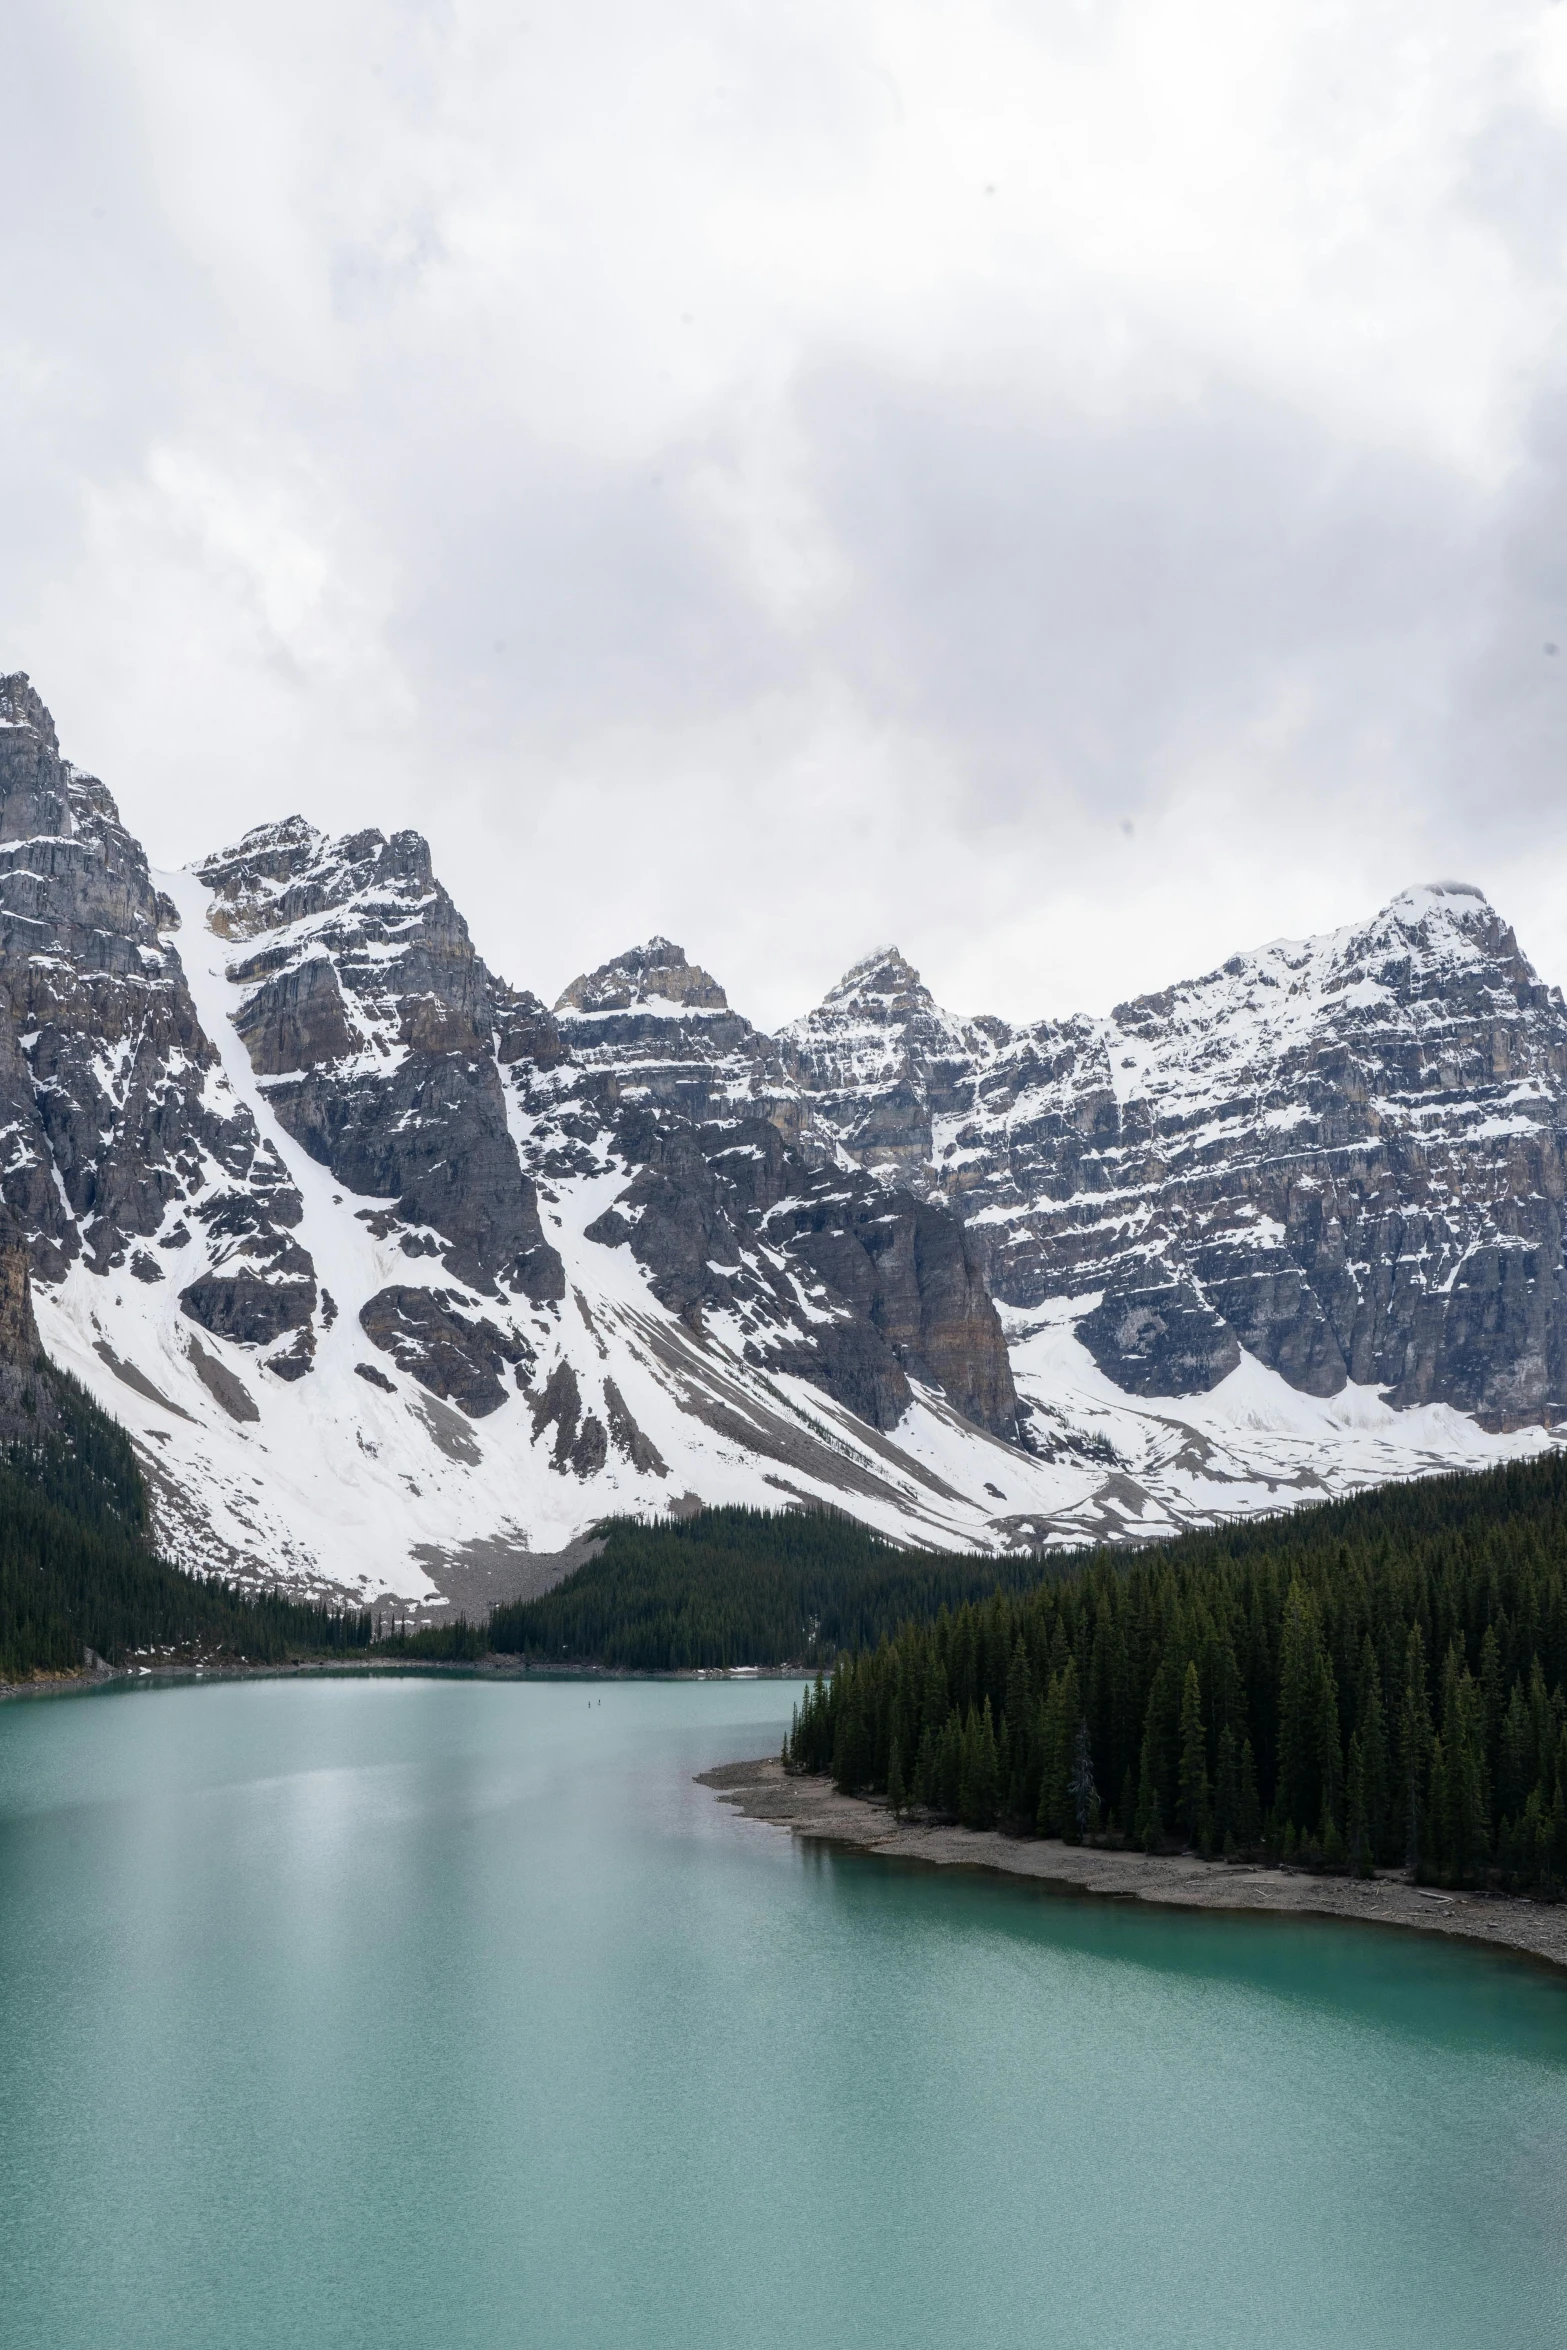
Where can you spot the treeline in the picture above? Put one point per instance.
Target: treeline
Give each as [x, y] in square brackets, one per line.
[456, 1642]
[741, 1587]
[1375, 1683]
[77, 1569]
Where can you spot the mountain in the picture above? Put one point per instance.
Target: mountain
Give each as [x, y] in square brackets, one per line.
[400, 1279]
[1342, 1155]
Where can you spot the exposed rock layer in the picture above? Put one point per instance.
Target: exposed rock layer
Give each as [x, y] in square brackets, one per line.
[115, 1116]
[372, 1023]
[1344, 1154]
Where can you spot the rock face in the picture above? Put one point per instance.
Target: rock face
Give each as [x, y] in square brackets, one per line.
[821, 1270]
[459, 1357]
[371, 1023]
[1156, 1335]
[882, 1062]
[28, 1408]
[118, 1125]
[1343, 1154]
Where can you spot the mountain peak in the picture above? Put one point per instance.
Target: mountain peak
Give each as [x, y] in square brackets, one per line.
[20, 705]
[658, 971]
[1438, 921]
[885, 976]
[35, 782]
[1457, 900]
[274, 849]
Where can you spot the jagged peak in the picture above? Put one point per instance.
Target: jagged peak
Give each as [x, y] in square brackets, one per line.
[658, 971]
[1418, 939]
[288, 837]
[1451, 900]
[885, 975]
[1441, 919]
[41, 797]
[22, 705]
[291, 848]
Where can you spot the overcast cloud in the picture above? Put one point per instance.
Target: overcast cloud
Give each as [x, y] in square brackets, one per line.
[1073, 488]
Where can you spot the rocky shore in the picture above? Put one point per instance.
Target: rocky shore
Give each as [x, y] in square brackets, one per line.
[813, 1807]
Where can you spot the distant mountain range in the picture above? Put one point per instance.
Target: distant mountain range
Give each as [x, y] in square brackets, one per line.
[400, 1279]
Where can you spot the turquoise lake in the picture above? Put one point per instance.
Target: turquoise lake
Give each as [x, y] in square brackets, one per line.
[451, 2013]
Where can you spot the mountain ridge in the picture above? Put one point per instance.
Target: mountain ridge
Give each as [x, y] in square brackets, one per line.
[400, 1278]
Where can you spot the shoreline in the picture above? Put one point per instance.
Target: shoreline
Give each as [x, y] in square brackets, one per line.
[86, 1678]
[812, 1807]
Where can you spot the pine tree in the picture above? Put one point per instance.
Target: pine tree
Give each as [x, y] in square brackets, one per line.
[1062, 1712]
[1226, 1791]
[1195, 1792]
[1019, 1722]
[1150, 1815]
[896, 1797]
[1513, 1772]
[1360, 1835]
[852, 1753]
[1248, 1821]
[1265, 1619]
[1371, 1729]
[1084, 1794]
[1330, 1753]
[1414, 1747]
[1059, 1761]
[923, 1790]
[1434, 1858]
[1466, 1823]
[979, 1793]
[1300, 1711]
[935, 1703]
[1492, 1697]
[949, 1765]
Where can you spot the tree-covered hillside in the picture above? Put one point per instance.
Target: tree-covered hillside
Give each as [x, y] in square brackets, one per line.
[77, 1569]
[1380, 1681]
[741, 1587]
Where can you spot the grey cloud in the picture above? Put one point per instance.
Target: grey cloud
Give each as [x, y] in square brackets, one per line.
[1052, 613]
[1063, 596]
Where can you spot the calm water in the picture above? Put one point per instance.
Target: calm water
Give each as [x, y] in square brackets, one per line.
[441, 2013]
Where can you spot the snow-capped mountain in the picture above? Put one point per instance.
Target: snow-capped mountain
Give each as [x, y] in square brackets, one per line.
[401, 1280]
[1342, 1154]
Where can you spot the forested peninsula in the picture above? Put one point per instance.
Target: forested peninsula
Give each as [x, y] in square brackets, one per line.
[1378, 1683]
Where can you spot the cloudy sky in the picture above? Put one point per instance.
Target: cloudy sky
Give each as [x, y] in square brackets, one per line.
[1074, 488]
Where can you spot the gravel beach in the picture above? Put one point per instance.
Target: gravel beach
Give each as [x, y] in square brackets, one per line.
[813, 1807]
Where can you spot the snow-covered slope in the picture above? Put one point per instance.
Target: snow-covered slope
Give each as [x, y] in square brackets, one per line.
[377, 1486]
[402, 1280]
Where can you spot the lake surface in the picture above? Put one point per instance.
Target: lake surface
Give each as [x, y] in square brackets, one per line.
[443, 2013]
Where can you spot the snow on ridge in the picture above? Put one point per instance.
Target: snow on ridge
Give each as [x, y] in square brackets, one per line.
[339, 1487]
[342, 1486]
[648, 977]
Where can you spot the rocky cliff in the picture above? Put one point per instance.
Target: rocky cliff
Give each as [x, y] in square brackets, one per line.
[123, 1146]
[1343, 1155]
[853, 1285]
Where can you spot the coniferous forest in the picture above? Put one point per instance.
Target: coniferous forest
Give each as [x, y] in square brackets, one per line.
[77, 1569]
[742, 1587]
[1376, 1683]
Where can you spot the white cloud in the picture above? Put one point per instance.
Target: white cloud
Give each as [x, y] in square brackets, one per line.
[792, 479]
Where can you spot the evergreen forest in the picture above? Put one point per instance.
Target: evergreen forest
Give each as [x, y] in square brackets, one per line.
[742, 1587]
[1375, 1683]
